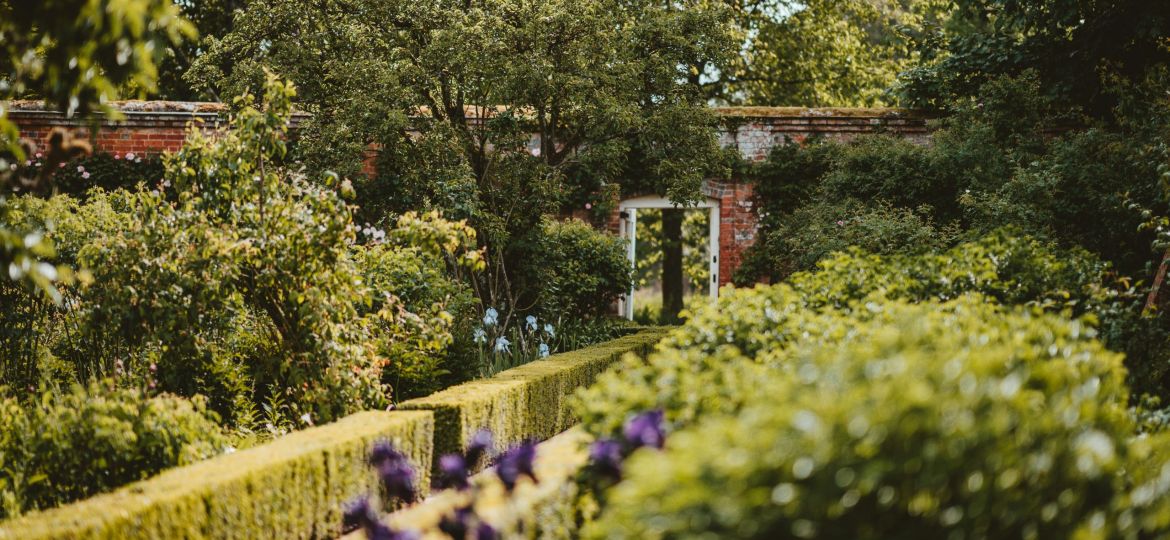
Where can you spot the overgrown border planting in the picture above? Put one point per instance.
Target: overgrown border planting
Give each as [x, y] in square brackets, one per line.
[296, 486]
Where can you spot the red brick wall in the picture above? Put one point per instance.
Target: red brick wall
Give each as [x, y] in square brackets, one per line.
[153, 127]
[147, 127]
[755, 130]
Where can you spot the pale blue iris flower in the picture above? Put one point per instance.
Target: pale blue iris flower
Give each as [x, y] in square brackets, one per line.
[502, 344]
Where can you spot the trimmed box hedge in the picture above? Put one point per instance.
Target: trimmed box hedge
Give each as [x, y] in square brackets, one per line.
[293, 487]
[527, 402]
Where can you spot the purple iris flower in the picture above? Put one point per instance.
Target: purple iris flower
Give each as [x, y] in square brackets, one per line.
[516, 463]
[453, 472]
[398, 479]
[383, 451]
[480, 445]
[464, 520]
[359, 514]
[605, 455]
[486, 532]
[395, 471]
[646, 429]
[456, 526]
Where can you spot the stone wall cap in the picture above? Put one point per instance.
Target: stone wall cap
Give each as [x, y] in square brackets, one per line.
[134, 106]
[825, 112]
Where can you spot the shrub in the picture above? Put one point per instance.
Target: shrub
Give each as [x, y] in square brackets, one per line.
[109, 172]
[960, 419]
[1005, 158]
[1012, 270]
[237, 279]
[434, 349]
[578, 270]
[882, 167]
[292, 487]
[67, 445]
[797, 241]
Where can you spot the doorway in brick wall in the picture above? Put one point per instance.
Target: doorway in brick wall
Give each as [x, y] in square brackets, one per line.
[700, 234]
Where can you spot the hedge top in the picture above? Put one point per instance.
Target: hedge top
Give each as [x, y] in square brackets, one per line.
[183, 501]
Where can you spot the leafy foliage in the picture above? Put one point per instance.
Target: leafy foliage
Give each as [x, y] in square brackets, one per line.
[995, 162]
[238, 278]
[1082, 50]
[67, 445]
[821, 445]
[500, 113]
[73, 54]
[1007, 269]
[581, 271]
[811, 233]
[818, 53]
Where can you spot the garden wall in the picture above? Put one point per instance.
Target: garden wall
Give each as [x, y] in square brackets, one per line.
[158, 126]
[755, 130]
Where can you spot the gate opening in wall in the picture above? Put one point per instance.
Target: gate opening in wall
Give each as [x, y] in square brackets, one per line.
[650, 208]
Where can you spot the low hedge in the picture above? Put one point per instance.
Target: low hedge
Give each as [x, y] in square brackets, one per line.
[528, 402]
[294, 487]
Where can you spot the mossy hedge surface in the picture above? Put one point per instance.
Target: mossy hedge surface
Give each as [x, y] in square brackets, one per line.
[294, 487]
[528, 402]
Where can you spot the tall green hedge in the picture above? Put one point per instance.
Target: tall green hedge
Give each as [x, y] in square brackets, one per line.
[294, 487]
[528, 402]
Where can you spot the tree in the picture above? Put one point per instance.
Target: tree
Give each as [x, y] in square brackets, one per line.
[212, 19]
[74, 54]
[1080, 49]
[500, 111]
[817, 53]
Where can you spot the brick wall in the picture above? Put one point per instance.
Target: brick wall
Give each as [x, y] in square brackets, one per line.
[157, 126]
[755, 130]
[147, 127]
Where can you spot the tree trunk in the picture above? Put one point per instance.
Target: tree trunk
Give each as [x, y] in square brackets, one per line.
[672, 267]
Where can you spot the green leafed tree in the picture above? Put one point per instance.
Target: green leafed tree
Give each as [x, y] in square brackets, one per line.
[500, 111]
[817, 53]
[1080, 49]
[75, 55]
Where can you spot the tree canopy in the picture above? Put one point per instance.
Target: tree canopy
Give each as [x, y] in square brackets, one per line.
[1082, 50]
[500, 110]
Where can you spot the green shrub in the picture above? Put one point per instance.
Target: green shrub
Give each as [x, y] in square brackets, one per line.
[958, 419]
[888, 168]
[422, 360]
[791, 174]
[524, 403]
[109, 172]
[798, 240]
[64, 446]
[237, 279]
[1147, 506]
[578, 270]
[1004, 158]
[689, 381]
